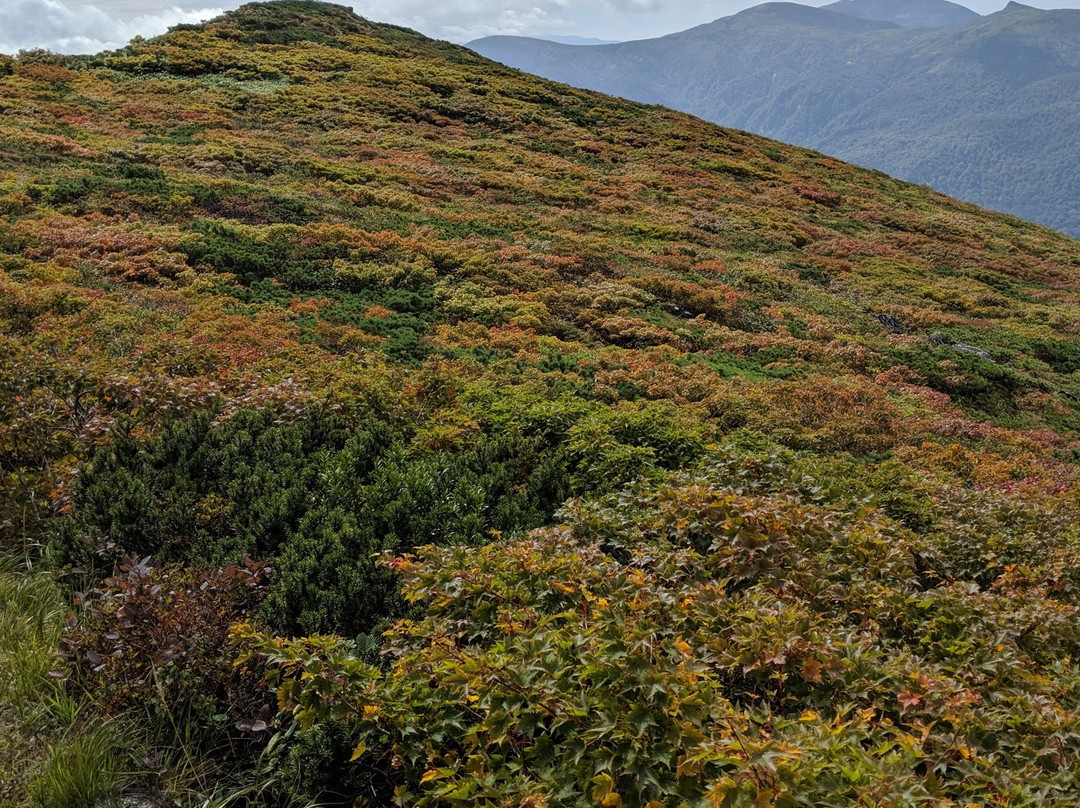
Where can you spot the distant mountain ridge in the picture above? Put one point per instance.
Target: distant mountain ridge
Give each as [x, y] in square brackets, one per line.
[987, 110]
[578, 40]
[910, 14]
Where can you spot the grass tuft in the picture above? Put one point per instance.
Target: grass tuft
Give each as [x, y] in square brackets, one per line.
[81, 770]
[50, 756]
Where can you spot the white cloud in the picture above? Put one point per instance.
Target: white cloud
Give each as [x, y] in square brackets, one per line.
[462, 20]
[509, 21]
[52, 25]
[634, 5]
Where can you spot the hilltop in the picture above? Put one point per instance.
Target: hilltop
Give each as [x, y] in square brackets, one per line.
[981, 108]
[377, 420]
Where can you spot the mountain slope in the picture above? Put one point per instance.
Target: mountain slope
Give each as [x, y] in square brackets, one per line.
[983, 111]
[399, 426]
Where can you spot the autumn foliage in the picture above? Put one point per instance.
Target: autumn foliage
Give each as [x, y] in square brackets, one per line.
[679, 466]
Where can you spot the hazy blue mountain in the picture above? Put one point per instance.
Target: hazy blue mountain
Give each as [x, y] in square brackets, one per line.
[577, 40]
[987, 110]
[910, 14]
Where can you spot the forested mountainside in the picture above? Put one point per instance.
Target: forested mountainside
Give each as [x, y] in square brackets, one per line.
[985, 110]
[380, 424]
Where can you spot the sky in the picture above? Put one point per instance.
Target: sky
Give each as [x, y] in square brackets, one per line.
[88, 26]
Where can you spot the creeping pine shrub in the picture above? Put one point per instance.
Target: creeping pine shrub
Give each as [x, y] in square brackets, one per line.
[156, 639]
[325, 494]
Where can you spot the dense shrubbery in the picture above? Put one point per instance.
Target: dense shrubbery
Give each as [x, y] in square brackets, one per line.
[717, 641]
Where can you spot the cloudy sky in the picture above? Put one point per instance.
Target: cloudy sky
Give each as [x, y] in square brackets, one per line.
[85, 26]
